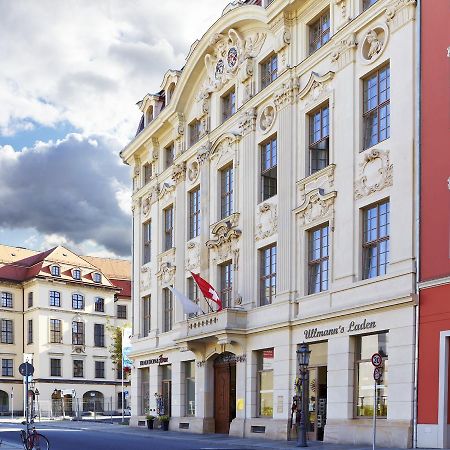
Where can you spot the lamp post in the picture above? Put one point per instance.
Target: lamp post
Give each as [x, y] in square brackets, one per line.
[303, 354]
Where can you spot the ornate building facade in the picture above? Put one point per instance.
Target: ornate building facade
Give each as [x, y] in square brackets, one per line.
[56, 311]
[276, 166]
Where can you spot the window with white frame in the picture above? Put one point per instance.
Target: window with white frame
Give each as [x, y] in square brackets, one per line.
[77, 301]
[268, 168]
[319, 131]
[318, 259]
[55, 298]
[268, 274]
[265, 382]
[6, 300]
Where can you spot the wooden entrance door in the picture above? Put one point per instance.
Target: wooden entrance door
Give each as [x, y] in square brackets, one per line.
[317, 403]
[224, 392]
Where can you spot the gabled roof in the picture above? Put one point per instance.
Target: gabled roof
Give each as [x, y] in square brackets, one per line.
[9, 254]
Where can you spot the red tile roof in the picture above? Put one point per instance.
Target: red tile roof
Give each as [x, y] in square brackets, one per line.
[124, 285]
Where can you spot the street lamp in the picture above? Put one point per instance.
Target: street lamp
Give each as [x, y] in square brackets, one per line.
[303, 354]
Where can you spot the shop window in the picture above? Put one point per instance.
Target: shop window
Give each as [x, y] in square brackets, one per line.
[265, 382]
[366, 346]
[145, 390]
[189, 372]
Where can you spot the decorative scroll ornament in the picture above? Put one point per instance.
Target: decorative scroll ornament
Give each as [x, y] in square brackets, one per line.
[376, 173]
[374, 43]
[343, 52]
[146, 278]
[318, 86]
[179, 172]
[193, 171]
[203, 153]
[286, 94]
[267, 219]
[247, 123]
[166, 272]
[224, 147]
[151, 197]
[267, 118]
[316, 206]
[229, 53]
[224, 231]
[399, 12]
[165, 188]
[192, 256]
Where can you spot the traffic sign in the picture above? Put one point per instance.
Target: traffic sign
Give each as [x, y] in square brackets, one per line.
[26, 369]
[377, 360]
[377, 373]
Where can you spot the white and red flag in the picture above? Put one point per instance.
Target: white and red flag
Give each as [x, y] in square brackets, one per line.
[207, 290]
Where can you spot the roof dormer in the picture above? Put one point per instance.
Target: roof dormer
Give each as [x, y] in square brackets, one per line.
[169, 82]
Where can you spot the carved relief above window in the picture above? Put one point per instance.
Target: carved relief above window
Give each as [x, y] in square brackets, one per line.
[267, 118]
[192, 256]
[375, 173]
[223, 149]
[317, 207]
[317, 88]
[166, 265]
[374, 43]
[266, 220]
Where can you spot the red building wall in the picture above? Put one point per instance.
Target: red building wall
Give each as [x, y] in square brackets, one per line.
[435, 200]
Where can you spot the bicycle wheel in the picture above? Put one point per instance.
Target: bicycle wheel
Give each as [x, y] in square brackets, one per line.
[23, 436]
[37, 441]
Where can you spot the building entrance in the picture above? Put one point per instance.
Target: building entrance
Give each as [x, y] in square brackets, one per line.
[317, 402]
[224, 391]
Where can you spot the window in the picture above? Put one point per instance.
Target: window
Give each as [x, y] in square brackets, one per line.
[76, 274]
[194, 213]
[55, 367]
[226, 284]
[169, 154]
[7, 368]
[30, 299]
[77, 301]
[269, 169]
[366, 346]
[99, 369]
[99, 335]
[7, 300]
[55, 298]
[168, 228]
[168, 310]
[268, 277]
[368, 3]
[7, 331]
[269, 69]
[55, 331]
[194, 132]
[55, 271]
[265, 382]
[193, 291]
[99, 304]
[318, 260]
[147, 242]
[148, 172]
[189, 373]
[77, 368]
[147, 315]
[319, 132]
[319, 32]
[121, 311]
[376, 240]
[226, 192]
[78, 333]
[228, 105]
[97, 277]
[30, 331]
[376, 115]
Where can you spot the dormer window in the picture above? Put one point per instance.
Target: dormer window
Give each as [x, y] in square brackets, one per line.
[76, 274]
[55, 271]
[97, 277]
[170, 92]
[149, 115]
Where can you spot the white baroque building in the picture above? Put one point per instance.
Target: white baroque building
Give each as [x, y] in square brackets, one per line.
[276, 166]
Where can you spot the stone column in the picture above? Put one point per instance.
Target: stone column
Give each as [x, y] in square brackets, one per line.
[284, 103]
[237, 426]
[248, 200]
[177, 388]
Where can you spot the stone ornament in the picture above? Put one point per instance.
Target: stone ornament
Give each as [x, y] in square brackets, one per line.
[165, 188]
[399, 12]
[179, 172]
[192, 256]
[247, 122]
[149, 200]
[224, 147]
[343, 52]
[316, 206]
[374, 43]
[286, 94]
[317, 87]
[146, 278]
[166, 272]
[267, 221]
[267, 118]
[229, 53]
[375, 173]
[223, 232]
[193, 171]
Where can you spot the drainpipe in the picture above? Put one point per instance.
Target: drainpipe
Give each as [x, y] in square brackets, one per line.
[417, 174]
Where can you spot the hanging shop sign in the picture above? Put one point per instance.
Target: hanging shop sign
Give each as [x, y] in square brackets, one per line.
[159, 360]
[311, 333]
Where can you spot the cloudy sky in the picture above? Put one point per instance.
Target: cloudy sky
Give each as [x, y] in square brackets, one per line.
[71, 74]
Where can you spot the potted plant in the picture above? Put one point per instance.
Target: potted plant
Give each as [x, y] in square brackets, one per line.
[150, 420]
[164, 422]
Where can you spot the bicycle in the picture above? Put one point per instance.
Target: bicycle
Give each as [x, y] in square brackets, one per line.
[32, 440]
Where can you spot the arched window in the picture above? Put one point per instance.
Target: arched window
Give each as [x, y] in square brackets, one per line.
[4, 402]
[149, 115]
[55, 271]
[93, 401]
[97, 277]
[170, 92]
[76, 274]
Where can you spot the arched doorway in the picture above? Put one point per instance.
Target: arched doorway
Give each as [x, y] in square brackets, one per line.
[224, 391]
[93, 401]
[4, 402]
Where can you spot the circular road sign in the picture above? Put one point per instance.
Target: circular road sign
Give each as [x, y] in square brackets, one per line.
[377, 373]
[377, 360]
[26, 369]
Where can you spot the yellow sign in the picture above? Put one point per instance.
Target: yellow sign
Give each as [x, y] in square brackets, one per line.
[240, 404]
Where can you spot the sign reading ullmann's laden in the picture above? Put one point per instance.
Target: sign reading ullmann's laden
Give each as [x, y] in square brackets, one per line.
[311, 333]
[159, 360]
